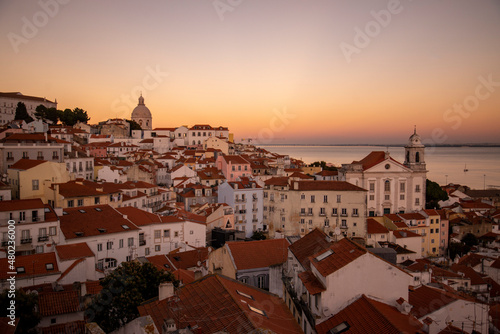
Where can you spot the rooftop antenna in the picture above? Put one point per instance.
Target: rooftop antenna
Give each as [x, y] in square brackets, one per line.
[415, 129]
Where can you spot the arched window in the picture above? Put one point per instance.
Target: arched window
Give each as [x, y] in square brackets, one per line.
[387, 185]
[417, 157]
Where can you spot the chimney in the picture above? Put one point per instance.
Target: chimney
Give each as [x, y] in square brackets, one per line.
[165, 290]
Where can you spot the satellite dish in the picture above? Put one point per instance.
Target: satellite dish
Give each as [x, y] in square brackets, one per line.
[337, 231]
[198, 263]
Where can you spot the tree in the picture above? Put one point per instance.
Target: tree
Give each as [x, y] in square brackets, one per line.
[68, 117]
[22, 113]
[258, 235]
[434, 193]
[41, 112]
[457, 248]
[470, 240]
[81, 115]
[133, 126]
[323, 165]
[124, 290]
[53, 115]
[26, 309]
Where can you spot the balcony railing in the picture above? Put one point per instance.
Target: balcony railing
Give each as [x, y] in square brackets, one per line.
[309, 213]
[242, 211]
[255, 220]
[355, 214]
[43, 238]
[343, 215]
[255, 210]
[55, 157]
[10, 158]
[40, 157]
[239, 200]
[26, 240]
[142, 242]
[302, 213]
[322, 214]
[255, 199]
[334, 214]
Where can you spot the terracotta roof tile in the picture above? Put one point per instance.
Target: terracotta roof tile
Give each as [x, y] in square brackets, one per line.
[54, 303]
[311, 282]
[216, 303]
[189, 259]
[34, 265]
[74, 251]
[324, 185]
[21, 204]
[258, 254]
[366, 316]
[426, 300]
[308, 245]
[342, 252]
[93, 287]
[25, 164]
[374, 227]
[140, 217]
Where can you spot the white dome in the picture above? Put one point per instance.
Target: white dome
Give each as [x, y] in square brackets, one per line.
[415, 140]
[141, 111]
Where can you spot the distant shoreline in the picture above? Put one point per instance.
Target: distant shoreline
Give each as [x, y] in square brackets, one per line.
[381, 145]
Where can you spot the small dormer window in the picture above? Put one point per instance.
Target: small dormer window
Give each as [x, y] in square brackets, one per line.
[49, 266]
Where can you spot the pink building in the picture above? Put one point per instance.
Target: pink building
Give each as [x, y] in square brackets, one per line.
[233, 167]
[97, 150]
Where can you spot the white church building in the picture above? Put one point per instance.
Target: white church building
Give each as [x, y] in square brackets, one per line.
[393, 187]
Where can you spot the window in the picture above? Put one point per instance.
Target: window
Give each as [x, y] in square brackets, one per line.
[355, 212]
[325, 199]
[34, 184]
[147, 251]
[310, 223]
[372, 197]
[417, 188]
[344, 223]
[42, 232]
[417, 201]
[387, 185]
[371, 213]
[334, 211]
[302, 211]
[322, 211]
[339, 198]
[20, 270]
[372, 187]
[402, 187]
[302, 196]
[96, 200]
[49, 266]
[25, 155]
[191, 232]
[312, 198]
[310, 212]
[71, 203]
[402, 197]
[130, 242]
[261, 281]
[157, 234]
[109, 245]
[176, 234]
[80, 202]
[120, 243]
[344, 212]
[52, 230]
[22, 216]
[157, 248]
[99, 247]
[39, 249]
[166, 233]
[302, 221]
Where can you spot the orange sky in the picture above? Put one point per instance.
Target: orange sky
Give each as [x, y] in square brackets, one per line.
[266, 57]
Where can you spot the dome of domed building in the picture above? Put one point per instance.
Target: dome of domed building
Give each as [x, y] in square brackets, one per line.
[415, 140]
[142, 115]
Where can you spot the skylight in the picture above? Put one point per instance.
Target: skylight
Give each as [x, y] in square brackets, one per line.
[125, 227]
[244, 294]
[46, 210]
[82, 211]
[102, 230]
[98, 209]
[340, 328]
[256, 310]
[65, 213]
[324, 255]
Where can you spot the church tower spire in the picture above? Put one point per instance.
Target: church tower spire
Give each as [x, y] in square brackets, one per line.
[415, 152]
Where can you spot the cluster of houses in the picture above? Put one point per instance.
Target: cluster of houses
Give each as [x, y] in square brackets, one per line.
[346, 250]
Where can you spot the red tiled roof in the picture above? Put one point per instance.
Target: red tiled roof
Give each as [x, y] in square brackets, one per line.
[473, 259]
[93, 287]
[34, 265]
[475, 278]
[400, 224]
[91, 220]
[214, 304]
[405, 234]
[374, 227]
[185, 276]
[258, 254]
[393, 217]
[452, 330]
[161, 262]
[343, 253]
[426, 300]
[277, 181]
[366, 316]
[189, 259]
[311, 282]
[324, 185]
[139, 217]
[413, 215]
[308, 245]
[235, 159]
[476, 205]
[327, 173]
[21, 204]
[25, 164]
[74, 251]
[61, 302]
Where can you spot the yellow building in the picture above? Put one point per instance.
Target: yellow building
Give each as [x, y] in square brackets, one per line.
[30, 178]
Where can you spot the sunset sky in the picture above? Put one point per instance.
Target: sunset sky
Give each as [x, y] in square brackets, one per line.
[241, 63]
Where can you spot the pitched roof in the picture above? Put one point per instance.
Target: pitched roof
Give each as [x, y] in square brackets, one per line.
[34, 265]
[277, 181]
[61, 302]
[189, 259]
[93, 220]
[308, 245]
[398, 234]
[374, 227]
[366, 316]
[217, 303]
[341, 253]
[324, 185]
[235, 159]
[25, 164]
[311, 282]
[140, 217]
[21, 204]
[426, 300]
[258, 254]
[74, 251]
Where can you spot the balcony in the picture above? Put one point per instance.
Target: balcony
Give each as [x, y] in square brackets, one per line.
[255, 220]
[334, 214]
[10, 158]
[355, 214]
[26, 240]
[344, 227]
[43, 238]
[299, 303]
[142, 242]
[239, 200]
[322, 214]
[40, 157]
[302, 213]
[309, 213]
[255, 210]
[343, 215]
[55, 157]
[255, 199]
[242, 211]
